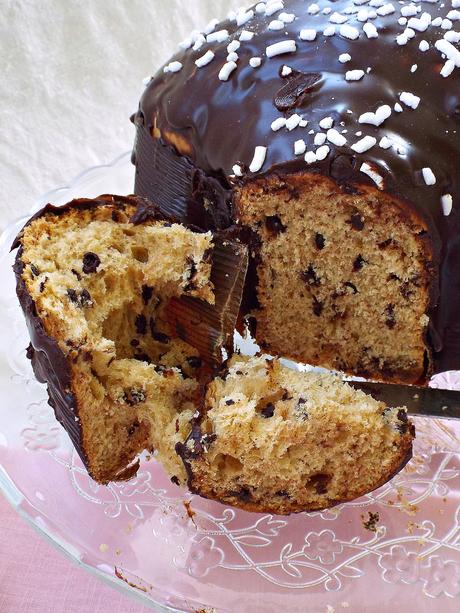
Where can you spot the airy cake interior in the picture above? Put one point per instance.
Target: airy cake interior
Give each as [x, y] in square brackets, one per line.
[346, 269]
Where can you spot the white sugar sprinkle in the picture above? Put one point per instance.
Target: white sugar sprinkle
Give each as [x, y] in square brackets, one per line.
[437, 21]
[310, 157]
[456, 4]
[334, 137]
[327, 10]
[428, 176]
[286, 17]
[448, 68]
[227, 70]
[446, 204]
[409, 100]
[366, 143]
[409, 33]
[260, 8]
[386, 9]
[402, 21]
[370, 30]
[446, 24]
[313, 9]
[413, 68]
[276, 24]
[452, 37]
[385, 142]
[260, 153]
[300, 147]
[424, 46]
[349, 32]
[409, 10]
[246, 36]
[286, 71]
[284, 46]
[293, 121]
[244, 17]
[237, 170]
[326, 123]
[402, 39]
[273, 7]
[303, 123]
[373, 174]
[344, 58]
[329, 31]
[320, 139]
[444, 46]
[278, 124]
[146, 80]
[308, 34]
[421, 24]
[354, 75]
[338, 18]
[362, 15]
[217, 37]
[173, 67]
[453, 15]
[232, 57]
[233, 46]
[377, 118]
[211, 26]
[398, 108]
[322, 152]
[205, 59]
[255, 62]
[199, 42]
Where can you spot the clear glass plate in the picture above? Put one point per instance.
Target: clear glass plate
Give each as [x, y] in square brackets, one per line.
[177, 552]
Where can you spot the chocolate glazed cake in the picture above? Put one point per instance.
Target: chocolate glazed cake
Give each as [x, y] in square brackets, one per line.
[328, 136]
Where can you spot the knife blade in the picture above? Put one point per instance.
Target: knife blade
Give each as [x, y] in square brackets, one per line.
[424, 401]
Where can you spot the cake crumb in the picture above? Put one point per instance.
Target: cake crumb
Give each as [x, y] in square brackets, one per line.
[103, 548]
[190, 512]
[118, 552]
[345, 604]
[330, 609]
[371, 522]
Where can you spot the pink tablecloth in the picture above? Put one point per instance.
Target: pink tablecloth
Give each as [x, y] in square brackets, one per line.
[35, 578]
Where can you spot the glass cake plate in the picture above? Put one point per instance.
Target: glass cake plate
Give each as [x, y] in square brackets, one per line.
[177, 552]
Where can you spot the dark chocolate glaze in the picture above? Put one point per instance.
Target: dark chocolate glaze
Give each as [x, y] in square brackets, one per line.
[221, 123]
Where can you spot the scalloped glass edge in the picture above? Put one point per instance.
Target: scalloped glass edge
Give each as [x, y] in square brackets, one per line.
[7, 487]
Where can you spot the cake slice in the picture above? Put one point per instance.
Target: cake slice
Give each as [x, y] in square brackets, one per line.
[110, 289]
[276, 440]
[95, 279]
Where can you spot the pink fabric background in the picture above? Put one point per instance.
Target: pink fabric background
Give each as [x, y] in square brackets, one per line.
[35, 578]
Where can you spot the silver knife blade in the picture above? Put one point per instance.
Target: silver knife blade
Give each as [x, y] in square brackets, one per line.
[425, 401]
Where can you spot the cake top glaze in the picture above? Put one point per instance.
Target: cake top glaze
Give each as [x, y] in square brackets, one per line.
[364, 91]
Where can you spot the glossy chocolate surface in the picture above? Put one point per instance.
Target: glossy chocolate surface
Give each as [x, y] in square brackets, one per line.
[222, 122]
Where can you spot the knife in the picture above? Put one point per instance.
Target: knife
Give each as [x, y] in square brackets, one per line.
[424, 401]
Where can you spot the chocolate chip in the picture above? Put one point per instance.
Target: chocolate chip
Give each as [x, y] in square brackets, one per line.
[160, 337]
[41, 287]
[403, 426]
[72, 295]
[91, 261]
[385, 244]
[319, 482]
[317, 306]
[244, 494]
[115, 216]
[134, 343]
[357, 222]
[134, 396]
[147, 293]
[229, 402]
[320, 241]
[132, 429]
[194, 361]
[310, 277]
[142, 357]
[358, 263]
[85, 298]
[76, 273]
[175, 480]
[141, 324]
[405, 290]
[274, 225]
[390, 320]
[30, 351]
[351, 286]
[282, 494]
[190, 274]
[268, 410]
[342, 168]
[35, 270]
[292, 93]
